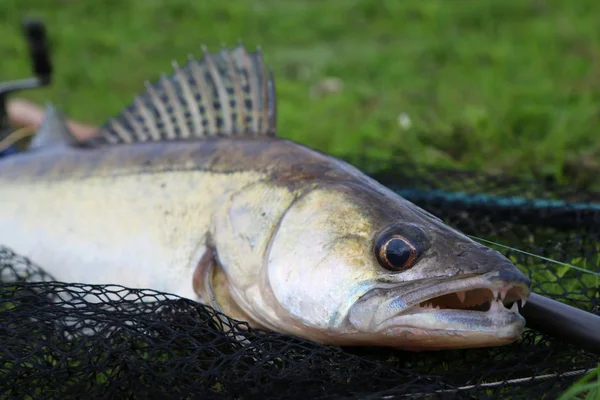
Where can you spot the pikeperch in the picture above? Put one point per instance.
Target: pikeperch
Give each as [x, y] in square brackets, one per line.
[189, 191]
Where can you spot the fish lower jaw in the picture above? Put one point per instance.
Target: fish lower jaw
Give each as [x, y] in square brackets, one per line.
[454, 319]
[430, 329]
[478, 317]
[445, 329]
[474, 310]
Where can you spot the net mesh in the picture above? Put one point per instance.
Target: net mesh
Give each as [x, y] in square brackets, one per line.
[68, 340]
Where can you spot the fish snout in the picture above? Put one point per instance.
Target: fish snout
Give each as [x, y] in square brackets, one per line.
[508, 274]
[489, 262]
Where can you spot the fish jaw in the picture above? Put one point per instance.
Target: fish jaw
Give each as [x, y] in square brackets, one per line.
[477, 311]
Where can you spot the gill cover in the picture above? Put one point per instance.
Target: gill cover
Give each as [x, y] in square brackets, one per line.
[320, 260]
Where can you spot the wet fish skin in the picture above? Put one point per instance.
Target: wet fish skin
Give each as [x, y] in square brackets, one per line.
[265, 229]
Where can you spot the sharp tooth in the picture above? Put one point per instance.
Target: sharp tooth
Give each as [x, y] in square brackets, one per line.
[437, 307]
[494, 294]
[496, 306]
[502, 295]
[461, 296]
[523, 301]
[515, 308]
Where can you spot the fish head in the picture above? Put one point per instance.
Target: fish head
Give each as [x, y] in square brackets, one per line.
[356, 264]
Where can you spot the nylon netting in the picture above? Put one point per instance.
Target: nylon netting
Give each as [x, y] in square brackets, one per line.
[56, 343]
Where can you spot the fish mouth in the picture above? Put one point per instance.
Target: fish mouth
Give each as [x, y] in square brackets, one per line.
[482, 299]
[464, 312]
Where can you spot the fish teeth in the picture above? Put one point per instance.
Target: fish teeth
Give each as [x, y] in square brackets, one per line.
[496, 306]
[494, 294]
[515, 308]
[523, 301]
[493, 306]
[461, 296]
[502, 295]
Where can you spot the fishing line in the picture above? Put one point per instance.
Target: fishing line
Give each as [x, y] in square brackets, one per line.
[557, 319]
[535, 255]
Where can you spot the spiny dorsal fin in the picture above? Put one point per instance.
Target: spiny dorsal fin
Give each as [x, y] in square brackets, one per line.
[225, 93]
[53, 131]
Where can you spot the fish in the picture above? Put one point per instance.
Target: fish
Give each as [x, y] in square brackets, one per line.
[192, 190]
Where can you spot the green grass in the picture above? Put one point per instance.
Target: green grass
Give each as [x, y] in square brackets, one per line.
[505, 86]
[586, 388]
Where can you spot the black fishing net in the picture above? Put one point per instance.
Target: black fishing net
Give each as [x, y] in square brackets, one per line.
[66, 340]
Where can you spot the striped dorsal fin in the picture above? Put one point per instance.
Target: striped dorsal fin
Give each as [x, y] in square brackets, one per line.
[227, 93]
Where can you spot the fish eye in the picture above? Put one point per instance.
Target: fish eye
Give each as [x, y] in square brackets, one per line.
[395, 252]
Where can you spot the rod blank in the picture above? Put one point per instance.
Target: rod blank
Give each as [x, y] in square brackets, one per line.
[560, 320]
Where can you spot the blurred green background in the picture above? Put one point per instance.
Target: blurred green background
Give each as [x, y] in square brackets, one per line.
[507, 86]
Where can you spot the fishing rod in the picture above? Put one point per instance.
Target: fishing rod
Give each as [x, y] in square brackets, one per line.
[39, 53]
[571, 324]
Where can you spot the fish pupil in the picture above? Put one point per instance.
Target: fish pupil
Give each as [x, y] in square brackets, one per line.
[397, 252]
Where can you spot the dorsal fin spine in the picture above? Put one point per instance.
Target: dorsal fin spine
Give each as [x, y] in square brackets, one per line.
[146, 115]
[131, 120]
[239, 98]
[188, 97]
[252, 82]
[272, 104]
[264, 89]
[207, 102]
[160, 107]
[221, 91]
[169, 89]
[230, 92]
[116, 125]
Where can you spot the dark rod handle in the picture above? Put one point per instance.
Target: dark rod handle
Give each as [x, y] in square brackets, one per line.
[39, 50]
[557, 319]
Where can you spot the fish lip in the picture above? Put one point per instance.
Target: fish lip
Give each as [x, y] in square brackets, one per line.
[502, 282]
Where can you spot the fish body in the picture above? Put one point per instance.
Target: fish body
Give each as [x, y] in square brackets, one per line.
[190, 192]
